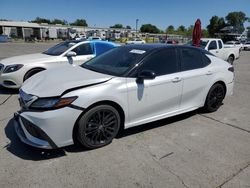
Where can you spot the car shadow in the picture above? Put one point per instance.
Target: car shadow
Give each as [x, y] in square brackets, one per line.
[7, 91]
[23, 151]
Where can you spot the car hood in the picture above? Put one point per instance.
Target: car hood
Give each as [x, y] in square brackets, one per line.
[55, 82]
[24, 59]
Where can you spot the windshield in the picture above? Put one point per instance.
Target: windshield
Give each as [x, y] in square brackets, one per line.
[60, 48]
[203, 43]
[116, 62]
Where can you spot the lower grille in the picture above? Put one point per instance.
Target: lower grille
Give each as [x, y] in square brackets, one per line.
[36, 131]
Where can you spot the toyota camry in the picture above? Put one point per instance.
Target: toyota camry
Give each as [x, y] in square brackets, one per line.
[124, 87]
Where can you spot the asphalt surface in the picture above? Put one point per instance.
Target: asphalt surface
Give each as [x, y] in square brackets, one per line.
[190, 150]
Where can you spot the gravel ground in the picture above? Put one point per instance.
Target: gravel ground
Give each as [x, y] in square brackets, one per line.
[190, 150]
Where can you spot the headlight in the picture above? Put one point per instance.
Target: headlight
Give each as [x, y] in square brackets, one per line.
[12, 68]
[52, 103]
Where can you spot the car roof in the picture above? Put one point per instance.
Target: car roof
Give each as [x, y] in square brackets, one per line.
[157, 46]
[93, 41]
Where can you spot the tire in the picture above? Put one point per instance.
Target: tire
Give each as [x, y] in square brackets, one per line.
[230, 59]
[31, 73]
[98, 126]
[214, 98]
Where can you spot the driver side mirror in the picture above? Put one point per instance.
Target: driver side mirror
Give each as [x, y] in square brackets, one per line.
[145, 75]
[69, 55]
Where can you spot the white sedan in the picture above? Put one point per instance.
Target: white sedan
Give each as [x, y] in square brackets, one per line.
[15, 70]
[136, 41]
[247, 45]
[125, 87]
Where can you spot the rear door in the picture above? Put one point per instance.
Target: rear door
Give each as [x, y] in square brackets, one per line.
[153, 99]
[196, 75]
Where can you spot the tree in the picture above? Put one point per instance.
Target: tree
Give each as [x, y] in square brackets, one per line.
[204, 33]
[237, 19]
[80, 22]
[181, 30]
[149, 28]
[189, 31]
[215, 25]
[58, 21]
[128, 27]
[118, 26]
[170, 29]
[41, 20]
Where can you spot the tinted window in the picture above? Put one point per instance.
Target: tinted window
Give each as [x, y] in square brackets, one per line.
[205, 60]
[162, 62]
[191, 59]
[101, 48]
[83, 49]
[116, 61]
[60, 48]
[212, 45]
[220, 44]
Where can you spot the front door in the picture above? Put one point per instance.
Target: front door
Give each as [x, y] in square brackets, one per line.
[156, 98]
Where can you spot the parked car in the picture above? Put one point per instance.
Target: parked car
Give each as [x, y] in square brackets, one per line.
[171, 42]
[247, 45]
[231, 44]
[124, 87]
[15, 70]
[136, 41]
[216, 47]
[94, 38]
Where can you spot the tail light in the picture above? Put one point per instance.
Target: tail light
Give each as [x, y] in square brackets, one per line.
[231, 69]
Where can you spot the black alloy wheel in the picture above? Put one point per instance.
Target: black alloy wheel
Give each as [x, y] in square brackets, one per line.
[98, 126]
[214, 98]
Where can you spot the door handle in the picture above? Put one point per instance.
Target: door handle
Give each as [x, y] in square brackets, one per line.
[209, 73]
[217, 51]
[176, 79]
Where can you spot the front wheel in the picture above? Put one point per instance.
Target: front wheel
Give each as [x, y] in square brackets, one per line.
[214, 98]
[230, 59]
[98, 126]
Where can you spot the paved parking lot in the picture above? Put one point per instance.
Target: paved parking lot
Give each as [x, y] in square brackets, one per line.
[191, 150]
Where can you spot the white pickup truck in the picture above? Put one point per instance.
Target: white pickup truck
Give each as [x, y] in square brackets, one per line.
[216, 47]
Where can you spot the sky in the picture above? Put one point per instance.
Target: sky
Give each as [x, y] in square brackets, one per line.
[104, 13]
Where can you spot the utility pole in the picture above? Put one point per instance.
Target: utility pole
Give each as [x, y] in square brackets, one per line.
[136, 26]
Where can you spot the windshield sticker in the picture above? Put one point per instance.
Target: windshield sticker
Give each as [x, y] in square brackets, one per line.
[137, 51]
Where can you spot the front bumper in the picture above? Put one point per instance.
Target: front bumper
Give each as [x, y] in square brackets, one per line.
[47, 130]
[11, 80]
[39, 143]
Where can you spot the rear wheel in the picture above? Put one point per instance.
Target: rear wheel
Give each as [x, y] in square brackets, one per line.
[98, 126]
[214, 98]
[31, 73]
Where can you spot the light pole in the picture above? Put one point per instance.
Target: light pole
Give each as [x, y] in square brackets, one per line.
[136, 25]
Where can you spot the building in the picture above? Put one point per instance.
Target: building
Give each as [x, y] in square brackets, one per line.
[44, 31]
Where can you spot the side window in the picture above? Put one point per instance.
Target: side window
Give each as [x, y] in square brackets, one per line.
[220, 44]
[191, 59]
[83, 49]
[100, 48]
[162, 62]
[212, 45]
[205, 60]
